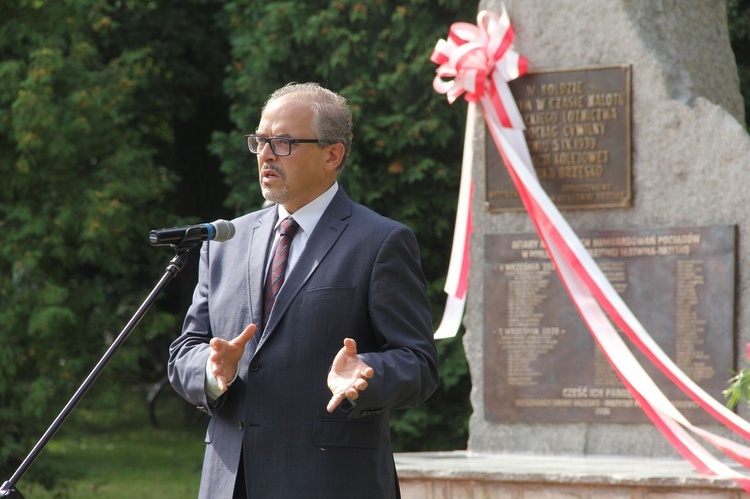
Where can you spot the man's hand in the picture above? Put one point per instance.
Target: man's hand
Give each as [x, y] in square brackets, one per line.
[225, 356]
[348, 375]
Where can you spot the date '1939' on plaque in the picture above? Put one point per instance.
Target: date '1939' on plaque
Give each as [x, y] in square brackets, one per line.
[578, 134]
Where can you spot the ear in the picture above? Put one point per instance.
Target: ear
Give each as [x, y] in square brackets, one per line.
[335, 156]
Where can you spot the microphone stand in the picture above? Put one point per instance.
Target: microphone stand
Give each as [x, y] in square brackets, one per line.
[8, 489]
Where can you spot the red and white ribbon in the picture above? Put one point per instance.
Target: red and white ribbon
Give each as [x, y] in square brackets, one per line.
[457, 281]
[479, 61]
[597, 301]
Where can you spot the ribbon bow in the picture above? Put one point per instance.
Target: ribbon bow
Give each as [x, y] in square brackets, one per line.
[480, 61]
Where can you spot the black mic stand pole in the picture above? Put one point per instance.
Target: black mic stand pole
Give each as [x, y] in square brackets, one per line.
[8, 489]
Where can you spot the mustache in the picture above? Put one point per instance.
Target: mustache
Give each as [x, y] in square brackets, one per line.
[272, 167]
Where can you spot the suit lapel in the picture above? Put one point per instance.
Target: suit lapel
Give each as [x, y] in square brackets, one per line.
[330, 227]
[260, 237]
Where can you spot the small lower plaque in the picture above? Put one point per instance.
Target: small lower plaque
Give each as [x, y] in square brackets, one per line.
[541, 362]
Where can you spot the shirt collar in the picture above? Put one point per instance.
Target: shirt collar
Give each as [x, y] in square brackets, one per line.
[308, 216]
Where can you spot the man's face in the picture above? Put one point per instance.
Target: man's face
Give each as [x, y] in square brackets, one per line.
[294, 180]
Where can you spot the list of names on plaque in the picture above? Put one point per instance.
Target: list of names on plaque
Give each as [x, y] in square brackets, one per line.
[690, 328]
[539, 355]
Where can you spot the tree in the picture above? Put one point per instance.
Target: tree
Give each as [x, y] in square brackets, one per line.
[80, 133]
[738, 16]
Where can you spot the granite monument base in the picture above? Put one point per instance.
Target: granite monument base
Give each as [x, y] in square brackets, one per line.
[464, 474]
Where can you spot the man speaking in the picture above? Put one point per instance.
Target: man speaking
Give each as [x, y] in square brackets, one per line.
[309, 326]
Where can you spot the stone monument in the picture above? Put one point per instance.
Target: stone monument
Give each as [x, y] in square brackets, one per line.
[690, 167]
[683, 166]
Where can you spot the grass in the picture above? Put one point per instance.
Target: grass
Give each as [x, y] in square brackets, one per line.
[110, 450]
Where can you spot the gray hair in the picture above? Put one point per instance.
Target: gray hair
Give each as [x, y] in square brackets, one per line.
[332, 119]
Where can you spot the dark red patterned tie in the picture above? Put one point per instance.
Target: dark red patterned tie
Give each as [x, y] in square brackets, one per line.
[277, 269]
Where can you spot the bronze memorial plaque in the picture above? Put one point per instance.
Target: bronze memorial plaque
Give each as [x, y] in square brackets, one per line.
[578, 134]
[541, 362]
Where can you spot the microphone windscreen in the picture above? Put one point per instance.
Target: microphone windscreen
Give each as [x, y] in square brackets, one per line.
[224, 230]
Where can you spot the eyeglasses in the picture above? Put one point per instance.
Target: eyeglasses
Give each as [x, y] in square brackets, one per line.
[281, 146]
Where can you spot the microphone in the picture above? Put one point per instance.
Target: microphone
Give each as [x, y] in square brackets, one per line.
[218, 231]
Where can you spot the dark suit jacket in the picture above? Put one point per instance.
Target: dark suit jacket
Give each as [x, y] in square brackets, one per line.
[360, 277]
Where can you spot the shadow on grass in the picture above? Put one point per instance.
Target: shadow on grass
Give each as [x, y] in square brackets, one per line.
[108, 449]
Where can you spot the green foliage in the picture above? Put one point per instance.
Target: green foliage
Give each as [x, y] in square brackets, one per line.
[739, 388]
[738, 17]
[78, 135]
[408, 141]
